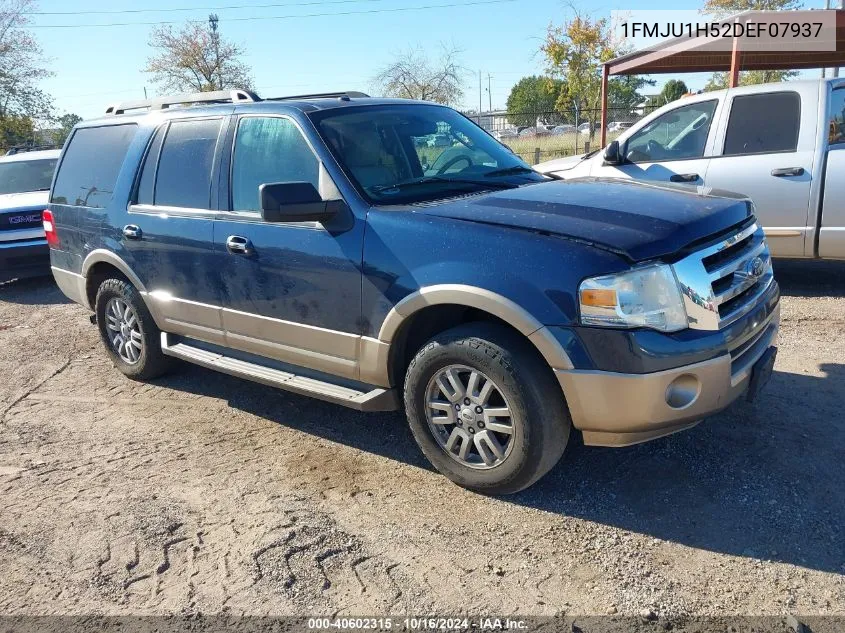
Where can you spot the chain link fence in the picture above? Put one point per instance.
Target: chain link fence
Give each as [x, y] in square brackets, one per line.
[538, 136]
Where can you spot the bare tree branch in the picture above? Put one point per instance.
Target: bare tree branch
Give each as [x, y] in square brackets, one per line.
[414, 76]
[195, 59]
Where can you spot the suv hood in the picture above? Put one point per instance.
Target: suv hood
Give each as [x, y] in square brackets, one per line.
[637, 220]
[24, 201]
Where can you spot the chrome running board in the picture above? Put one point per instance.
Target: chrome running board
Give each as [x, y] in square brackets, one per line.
[377, 399]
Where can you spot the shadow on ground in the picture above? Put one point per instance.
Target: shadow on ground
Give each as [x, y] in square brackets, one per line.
[34, 291]
[798, 278]
[762, 480]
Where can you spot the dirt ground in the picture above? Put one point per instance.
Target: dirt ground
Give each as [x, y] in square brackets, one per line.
[203, 493]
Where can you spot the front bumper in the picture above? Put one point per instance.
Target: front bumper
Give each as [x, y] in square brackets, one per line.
[24, 258]
[619, 409]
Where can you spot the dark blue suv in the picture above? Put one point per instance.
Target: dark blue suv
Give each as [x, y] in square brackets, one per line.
[323, 244]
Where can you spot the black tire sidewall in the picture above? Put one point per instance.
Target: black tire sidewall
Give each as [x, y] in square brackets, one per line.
[150, 358]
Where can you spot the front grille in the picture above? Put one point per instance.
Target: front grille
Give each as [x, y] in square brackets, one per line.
[725, 281]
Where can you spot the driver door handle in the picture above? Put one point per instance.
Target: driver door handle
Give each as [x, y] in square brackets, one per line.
[132, 232]
[788, 171]
[238, 245]
[683, 177]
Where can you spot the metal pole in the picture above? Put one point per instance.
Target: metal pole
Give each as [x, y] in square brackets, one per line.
[826, 7]
[489, 93]
[480, 94]
[836, 69]
[604, 81]
[734, 76]
[212, 22]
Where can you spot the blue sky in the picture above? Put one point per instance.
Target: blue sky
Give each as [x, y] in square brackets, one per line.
[96, 66]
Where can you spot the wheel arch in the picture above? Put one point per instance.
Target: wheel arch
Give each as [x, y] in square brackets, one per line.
[433, 309]
[98, 266]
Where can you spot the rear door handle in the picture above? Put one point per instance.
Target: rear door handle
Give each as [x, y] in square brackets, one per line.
[132, 232]
[683, 177]
[788, 171]
[238, 245]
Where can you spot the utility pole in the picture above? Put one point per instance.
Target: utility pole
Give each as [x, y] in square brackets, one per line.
[480, 95]
[215, 38]
[489, 92]
[836, 69]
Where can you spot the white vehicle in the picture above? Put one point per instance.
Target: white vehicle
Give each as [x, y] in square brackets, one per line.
[25, 178]
[782, 145]
[618, 126]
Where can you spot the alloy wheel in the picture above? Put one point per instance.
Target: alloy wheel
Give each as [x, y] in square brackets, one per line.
[469, 417]
[123, 330]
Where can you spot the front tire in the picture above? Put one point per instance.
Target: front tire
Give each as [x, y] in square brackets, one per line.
[128, 331]
[485, 408]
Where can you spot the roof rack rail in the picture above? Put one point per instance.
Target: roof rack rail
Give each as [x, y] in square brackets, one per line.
[350, 94]
[161, 103]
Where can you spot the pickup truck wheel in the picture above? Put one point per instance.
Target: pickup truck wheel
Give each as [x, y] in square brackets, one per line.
[485, 409]
[127, 329]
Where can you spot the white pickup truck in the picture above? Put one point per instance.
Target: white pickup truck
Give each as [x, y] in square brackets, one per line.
[783, 145]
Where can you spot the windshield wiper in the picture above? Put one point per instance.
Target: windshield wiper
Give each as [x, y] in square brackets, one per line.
[440, 179]
[507, 171]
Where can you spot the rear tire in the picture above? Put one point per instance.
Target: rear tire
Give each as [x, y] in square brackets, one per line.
[128, 331]
[495, 439]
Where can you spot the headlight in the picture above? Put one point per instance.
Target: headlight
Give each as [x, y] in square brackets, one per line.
[643, 297]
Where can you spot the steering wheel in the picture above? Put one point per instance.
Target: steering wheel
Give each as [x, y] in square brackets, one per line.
[454, 161]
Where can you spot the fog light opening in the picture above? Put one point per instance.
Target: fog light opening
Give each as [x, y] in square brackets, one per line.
[683, 391]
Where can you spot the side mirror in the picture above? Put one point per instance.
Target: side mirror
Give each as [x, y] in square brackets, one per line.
[611, 154]
[294, 202]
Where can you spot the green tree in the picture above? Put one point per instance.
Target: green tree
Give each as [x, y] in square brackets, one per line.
[16, 130]
[534, 97]
[66, 123]
[21, 69]
[196, 58]
[623, 93]
[720, 81]
[672, 90]
[724, 8]
[575, 53]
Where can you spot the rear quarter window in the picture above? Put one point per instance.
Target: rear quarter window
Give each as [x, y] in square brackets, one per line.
[90, 166]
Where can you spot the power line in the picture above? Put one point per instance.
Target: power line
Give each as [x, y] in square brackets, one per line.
[275, 17]
[232, 7]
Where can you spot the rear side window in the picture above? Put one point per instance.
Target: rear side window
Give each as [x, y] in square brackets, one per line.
[90, 166]
[146, 187]
[836, 118]
[183, 177]
[763, 123]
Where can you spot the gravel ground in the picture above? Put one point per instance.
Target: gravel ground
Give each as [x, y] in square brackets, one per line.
[202, 493]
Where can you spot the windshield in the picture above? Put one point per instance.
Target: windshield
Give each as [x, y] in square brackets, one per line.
[21, 176]
[398, 154]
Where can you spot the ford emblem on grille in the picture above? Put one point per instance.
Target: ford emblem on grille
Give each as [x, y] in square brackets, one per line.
[755, 267]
